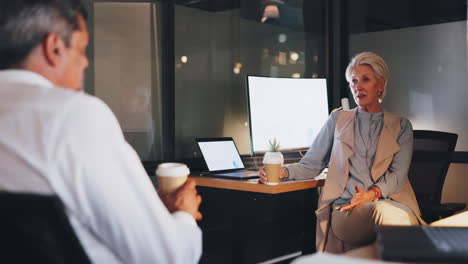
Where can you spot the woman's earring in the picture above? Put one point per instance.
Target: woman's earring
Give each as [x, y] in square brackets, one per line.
[379, 93]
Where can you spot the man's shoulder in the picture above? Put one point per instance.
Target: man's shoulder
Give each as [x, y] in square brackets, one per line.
[63, 99]
[72, 108]
[87, 118]
[89, 102]
[69, 96]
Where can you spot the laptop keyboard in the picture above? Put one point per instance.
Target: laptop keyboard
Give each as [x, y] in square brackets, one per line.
[447, 239]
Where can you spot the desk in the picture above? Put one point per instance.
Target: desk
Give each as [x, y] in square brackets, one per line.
[247, 222]
[253, 186]
[371, 252]
[359, 255]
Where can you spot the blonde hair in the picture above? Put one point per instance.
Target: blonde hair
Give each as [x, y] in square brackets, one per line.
[375, 62]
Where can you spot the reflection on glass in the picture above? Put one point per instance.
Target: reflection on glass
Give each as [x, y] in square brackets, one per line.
[282, 38]
[296, 75]
[294, 56]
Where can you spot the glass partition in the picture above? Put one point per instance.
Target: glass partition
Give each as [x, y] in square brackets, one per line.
[217, 43]
[127, 71]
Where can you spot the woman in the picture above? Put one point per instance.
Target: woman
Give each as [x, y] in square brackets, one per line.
[368, 152]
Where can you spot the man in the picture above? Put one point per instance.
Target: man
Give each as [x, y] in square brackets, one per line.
[57, 140]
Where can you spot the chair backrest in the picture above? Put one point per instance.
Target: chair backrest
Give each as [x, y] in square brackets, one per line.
[35, 229]
[432, 152]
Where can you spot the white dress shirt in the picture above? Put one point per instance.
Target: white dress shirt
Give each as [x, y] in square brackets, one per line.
[63, 142]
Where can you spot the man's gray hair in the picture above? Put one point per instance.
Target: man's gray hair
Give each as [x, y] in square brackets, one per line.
[375, 62]
[25, 23]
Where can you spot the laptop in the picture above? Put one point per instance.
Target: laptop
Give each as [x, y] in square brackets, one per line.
[223, 159]
[423, 243]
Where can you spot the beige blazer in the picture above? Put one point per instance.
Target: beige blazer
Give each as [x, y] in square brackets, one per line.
[338, 171]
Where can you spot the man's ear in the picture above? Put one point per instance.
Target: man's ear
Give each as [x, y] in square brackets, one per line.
[53, 49]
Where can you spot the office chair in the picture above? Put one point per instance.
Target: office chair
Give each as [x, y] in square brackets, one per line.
[35, 229]
[432, 152]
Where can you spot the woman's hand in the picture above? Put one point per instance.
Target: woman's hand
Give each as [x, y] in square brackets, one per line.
[360, 197]
[263, 175]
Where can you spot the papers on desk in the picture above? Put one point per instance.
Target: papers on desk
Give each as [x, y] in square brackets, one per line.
[322, 176]
[335, 259]
[458, 220]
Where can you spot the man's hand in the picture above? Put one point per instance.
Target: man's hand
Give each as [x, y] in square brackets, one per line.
[263, 175]
[183, 199]
[360, 197]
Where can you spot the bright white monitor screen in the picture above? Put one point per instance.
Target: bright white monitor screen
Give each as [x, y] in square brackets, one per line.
[221, 155]
[292, 110]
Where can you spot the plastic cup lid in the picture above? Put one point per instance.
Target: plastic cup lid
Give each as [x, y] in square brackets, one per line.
[172, 169]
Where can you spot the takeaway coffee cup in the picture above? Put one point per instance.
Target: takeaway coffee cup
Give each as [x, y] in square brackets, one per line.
[272, 162]
[171, 176]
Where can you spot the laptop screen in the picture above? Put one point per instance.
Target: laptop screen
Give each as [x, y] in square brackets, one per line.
[220, 154]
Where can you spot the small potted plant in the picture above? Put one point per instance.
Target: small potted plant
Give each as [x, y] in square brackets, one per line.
[272, 162]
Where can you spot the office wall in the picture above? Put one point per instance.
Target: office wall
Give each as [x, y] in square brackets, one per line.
[428, 74]
[428, 83]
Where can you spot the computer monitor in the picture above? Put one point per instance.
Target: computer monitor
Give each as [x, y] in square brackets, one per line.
[292, 110]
